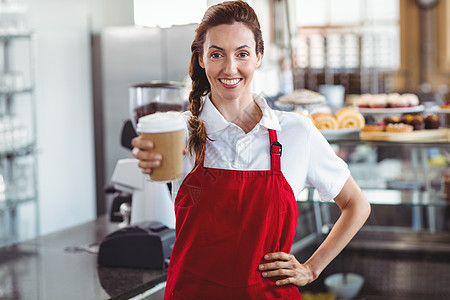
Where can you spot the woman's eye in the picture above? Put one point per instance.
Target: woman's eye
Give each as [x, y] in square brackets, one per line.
[216, 55]
[243, 54]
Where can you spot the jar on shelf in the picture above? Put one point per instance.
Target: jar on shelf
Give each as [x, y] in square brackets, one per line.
[2, 188]
[446, 185]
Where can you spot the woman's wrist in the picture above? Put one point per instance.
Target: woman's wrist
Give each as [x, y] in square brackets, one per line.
[314, 271]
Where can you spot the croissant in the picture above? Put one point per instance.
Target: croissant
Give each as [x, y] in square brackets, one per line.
[325, 121]
[348, 117]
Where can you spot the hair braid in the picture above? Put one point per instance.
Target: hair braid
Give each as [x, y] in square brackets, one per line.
[200, 88]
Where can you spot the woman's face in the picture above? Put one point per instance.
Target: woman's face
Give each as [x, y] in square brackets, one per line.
[229, 59]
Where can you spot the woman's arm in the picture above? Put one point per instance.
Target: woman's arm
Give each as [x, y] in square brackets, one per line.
[355, 210]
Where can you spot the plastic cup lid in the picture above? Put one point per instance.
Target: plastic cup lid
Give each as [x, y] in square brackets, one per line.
[161, 122]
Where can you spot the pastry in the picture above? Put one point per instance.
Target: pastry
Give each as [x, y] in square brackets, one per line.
[395, 100]
[363, 100]
[406, 119]
[412, 99]
[373, 128]
[416, 121]
[400, 127]
[432, 122]
[302, 96]
[325, 121]
[348, 117]
[392, 100]
[391, 120]
[378, 101]
[417, 124]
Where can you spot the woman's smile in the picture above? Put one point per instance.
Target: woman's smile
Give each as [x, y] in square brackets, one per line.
[230, 83]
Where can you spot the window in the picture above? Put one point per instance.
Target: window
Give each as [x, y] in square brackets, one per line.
[354, 38]
[152, 13]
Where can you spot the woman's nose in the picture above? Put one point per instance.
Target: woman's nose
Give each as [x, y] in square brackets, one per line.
[230, 66]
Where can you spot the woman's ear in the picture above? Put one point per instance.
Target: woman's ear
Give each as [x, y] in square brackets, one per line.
[200, 61]
[258, 60]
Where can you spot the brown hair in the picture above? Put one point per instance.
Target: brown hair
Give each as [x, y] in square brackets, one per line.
[227, 12]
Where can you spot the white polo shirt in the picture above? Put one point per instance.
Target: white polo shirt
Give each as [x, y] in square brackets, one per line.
[307, 159]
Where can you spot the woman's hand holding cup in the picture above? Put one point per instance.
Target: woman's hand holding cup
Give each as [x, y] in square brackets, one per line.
[160, 145]
[142, 150]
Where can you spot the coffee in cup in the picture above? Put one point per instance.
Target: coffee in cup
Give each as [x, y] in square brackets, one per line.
[166, 131]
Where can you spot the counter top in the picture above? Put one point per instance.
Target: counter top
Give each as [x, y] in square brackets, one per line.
[61, 266]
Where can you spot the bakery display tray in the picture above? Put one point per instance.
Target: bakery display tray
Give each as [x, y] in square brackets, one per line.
[398, 110]
[418, 136]
[341, 134]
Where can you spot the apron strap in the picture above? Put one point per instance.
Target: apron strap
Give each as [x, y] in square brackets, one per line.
[275, 151]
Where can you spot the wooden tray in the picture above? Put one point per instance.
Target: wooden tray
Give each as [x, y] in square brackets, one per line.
[427, 135]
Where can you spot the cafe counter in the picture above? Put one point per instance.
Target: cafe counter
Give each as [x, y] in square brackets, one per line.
[63, 265]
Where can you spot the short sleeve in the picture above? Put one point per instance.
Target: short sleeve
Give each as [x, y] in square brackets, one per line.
[327, 172]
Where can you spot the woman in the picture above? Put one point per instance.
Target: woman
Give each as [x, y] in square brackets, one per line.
[235, 206]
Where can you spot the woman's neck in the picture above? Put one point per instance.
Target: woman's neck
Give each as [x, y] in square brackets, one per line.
[244, 112]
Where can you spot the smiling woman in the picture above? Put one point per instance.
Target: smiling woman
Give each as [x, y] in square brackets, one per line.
[235, 205]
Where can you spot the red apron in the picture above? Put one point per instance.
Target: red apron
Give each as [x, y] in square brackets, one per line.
[226, 221]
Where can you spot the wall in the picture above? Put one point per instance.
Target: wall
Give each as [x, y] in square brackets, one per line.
[64, 116]
[64, 104]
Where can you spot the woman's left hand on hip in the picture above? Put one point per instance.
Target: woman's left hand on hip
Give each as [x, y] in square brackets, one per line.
[286, 265]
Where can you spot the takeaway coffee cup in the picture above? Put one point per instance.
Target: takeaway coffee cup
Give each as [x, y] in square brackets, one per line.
[166, 131]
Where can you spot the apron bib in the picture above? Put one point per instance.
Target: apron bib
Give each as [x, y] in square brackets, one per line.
[226, 221]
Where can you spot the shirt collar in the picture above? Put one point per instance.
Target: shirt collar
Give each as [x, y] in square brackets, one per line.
[269, 118]
[214, 121]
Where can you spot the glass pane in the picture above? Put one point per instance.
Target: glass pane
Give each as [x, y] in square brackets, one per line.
[311, 13]
[345, 12]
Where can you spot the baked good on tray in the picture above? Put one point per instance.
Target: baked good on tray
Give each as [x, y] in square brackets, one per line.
[325, 121]
[399, 127]
[373, 128]
[414, 120]
[432, 122]
[391, 120]
[348, 117]
[417, 124]
[302, 97]
[344, 118]
[392, 100]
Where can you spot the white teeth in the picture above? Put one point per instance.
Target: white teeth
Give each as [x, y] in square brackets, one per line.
[229, 82]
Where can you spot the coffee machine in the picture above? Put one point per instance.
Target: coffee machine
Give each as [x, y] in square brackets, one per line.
[146, 233]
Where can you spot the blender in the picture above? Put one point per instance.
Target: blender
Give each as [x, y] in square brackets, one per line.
[144, 207]
[156, 96]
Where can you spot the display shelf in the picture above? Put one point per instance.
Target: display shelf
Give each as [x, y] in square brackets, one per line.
[400, 239]
[376, 143]
[13, 203]
[390, 111]
[18, 161]
[381, 196]
[12, 36]
[26, 90]
[21, 151]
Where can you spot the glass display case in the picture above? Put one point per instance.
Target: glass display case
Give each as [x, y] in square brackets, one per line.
[407, 184]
